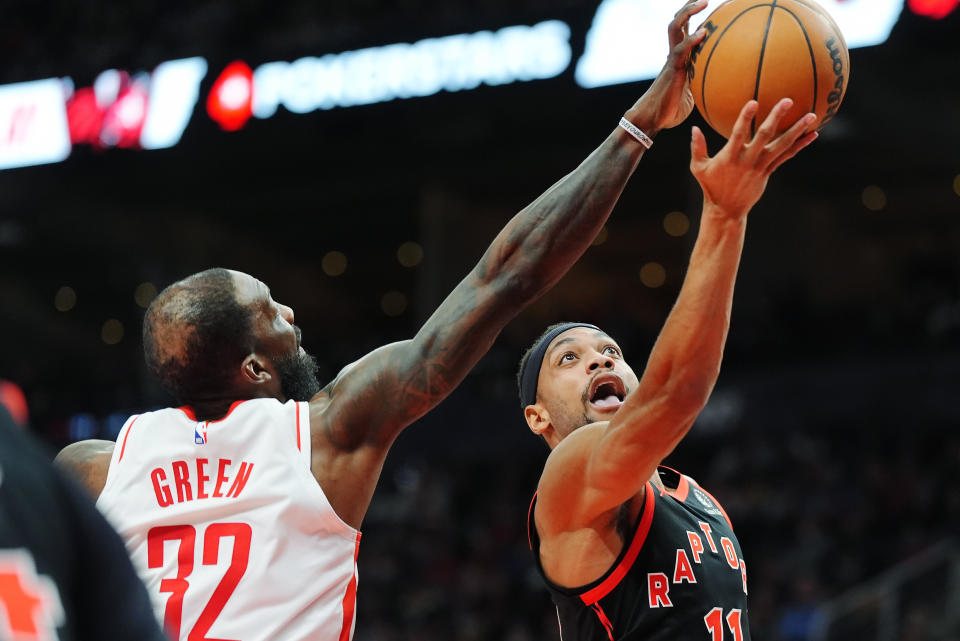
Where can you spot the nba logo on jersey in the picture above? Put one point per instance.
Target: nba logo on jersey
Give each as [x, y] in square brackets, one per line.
[200, 433]
[708, 506]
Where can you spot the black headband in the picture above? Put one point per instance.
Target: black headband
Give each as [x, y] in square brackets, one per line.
[530, 373]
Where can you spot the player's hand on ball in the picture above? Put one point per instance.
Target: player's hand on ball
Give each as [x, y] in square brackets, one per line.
[669, 100]
[735, 178]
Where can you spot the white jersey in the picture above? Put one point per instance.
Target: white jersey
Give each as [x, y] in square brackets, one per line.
[228, 528]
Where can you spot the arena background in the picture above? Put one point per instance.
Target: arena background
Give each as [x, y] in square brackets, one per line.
[831, 436]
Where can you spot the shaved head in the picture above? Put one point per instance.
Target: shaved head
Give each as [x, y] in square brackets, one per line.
[196, 335]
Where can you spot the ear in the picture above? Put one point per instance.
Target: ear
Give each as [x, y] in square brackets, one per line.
[538, 418]
[256, 370]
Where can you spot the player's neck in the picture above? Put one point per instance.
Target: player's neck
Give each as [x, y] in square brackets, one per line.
[212, 409]
[657, 481]
[216, 406]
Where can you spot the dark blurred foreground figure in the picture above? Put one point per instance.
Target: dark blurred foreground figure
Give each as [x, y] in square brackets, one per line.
[630, 549]
[241, 508]
[12, 398]
[64, 572]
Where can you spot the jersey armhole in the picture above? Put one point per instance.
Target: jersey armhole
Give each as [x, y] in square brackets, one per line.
[304, 445]
[118, 450]
[592, 592]
[302, 420]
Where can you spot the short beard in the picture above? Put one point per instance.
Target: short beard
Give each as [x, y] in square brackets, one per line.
[298, 376]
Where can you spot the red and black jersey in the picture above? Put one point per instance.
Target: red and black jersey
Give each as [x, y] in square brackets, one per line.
[680, 575]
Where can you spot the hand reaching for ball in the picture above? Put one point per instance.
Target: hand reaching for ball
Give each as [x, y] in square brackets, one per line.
[762, 51]
[669, 100]
[734, 179]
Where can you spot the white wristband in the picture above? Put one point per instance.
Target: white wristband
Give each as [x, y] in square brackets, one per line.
[636, 132]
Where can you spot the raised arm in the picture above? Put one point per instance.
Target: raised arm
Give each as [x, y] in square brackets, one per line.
[370, 401]
[599, 467]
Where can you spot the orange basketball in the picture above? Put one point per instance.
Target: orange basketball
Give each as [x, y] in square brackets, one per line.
[767, 50]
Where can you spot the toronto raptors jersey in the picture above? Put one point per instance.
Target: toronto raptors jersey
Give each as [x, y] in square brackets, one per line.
[680, 576]
[228, 528]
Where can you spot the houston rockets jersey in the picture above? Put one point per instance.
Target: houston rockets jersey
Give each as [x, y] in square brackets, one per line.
[680, 576]
[228, 528]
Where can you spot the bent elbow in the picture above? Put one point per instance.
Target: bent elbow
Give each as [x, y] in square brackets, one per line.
[516, 287]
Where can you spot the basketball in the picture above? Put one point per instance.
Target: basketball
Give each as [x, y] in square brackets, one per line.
[766, 50]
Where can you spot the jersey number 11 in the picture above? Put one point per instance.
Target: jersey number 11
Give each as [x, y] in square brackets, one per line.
[714, 621]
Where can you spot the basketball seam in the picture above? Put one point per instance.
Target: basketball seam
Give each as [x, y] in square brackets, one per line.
[813, 56]
[834, 27]
[706, 65]
[820, 10]
[763, 49]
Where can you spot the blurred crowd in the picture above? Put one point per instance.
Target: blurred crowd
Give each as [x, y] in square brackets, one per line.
[817, 511]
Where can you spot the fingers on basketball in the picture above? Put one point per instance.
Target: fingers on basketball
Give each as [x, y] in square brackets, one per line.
[741, 128]
[680, 26]
[793, 150]
[698, 149]
[786, 143]
[771, 123]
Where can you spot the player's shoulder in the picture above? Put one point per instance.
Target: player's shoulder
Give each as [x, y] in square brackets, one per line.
[85, 451]
[706, 501]
[567, 460]
[577, 444]
[87, 462]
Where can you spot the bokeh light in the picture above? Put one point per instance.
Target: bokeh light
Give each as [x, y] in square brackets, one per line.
[144, 294]
[393, 303]
[676, 223]
[410, 254]
[334, 263]
[653, 275]
[65, 299]
[112, 331]
[874, 198]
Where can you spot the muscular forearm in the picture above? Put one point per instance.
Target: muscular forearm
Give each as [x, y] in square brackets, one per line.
[691, 343]
[685, 361]
[541, 242]
[676, 383]
[680, 374]
[530, 254]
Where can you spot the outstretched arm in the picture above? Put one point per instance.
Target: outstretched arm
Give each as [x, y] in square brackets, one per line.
[599, 467]
[393, 386]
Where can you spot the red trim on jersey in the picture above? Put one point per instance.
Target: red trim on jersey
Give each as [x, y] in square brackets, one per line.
[192, 415]
[124, 445]
[298, 426]
[683, 486]
[717, 503]
[604, 621]
[234, 405]
[682, 491]
[350, 598]
[613, 579]
[530, 522]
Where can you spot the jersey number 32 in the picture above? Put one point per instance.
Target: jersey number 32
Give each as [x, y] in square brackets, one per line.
[241, 533]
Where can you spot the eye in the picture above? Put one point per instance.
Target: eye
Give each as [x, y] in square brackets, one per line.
[567, 358]
[610, 349]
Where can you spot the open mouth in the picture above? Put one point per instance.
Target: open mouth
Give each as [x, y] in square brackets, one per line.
[607, 392]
